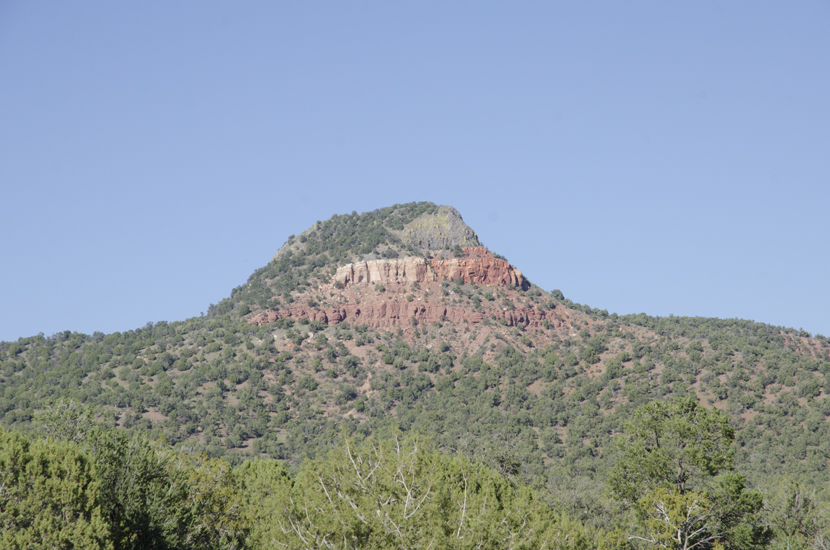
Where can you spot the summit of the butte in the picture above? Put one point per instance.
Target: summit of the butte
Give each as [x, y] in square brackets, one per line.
[415, 227]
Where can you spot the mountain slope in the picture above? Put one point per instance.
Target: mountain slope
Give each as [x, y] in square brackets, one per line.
[399, 319]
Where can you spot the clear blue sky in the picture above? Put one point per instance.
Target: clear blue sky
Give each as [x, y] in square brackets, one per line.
[657, 157]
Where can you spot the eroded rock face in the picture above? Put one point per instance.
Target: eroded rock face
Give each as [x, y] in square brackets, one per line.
[478, 266]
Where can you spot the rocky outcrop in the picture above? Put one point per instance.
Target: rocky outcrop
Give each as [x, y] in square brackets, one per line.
[394, 313]
[477, 266]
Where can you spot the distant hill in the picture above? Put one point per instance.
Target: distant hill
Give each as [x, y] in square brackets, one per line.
[401, 319]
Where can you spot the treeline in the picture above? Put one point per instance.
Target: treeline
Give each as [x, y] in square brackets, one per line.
[75, 482]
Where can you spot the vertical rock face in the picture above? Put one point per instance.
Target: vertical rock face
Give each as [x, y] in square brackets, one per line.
[402, 270]
[478, 266]
[481, 269]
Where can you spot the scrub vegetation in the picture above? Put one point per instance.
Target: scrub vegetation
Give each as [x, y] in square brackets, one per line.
[587, 430]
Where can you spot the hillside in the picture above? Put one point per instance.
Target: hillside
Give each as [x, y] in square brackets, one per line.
[401, 319]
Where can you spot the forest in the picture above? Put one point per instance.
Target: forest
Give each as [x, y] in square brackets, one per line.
[576, 432]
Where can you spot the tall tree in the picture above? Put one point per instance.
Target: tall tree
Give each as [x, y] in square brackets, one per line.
[674, 471]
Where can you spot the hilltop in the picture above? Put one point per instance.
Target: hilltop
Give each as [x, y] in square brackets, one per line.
[401, 319]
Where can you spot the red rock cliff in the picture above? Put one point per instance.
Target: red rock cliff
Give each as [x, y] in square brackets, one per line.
[395, 313]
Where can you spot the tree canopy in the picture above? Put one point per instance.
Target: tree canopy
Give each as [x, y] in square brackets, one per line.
[674, 469]
[675, 444]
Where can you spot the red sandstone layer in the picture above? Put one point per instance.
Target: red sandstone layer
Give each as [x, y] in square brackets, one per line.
[392, 313]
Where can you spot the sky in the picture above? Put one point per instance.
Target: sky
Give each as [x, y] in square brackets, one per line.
[671, 158]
